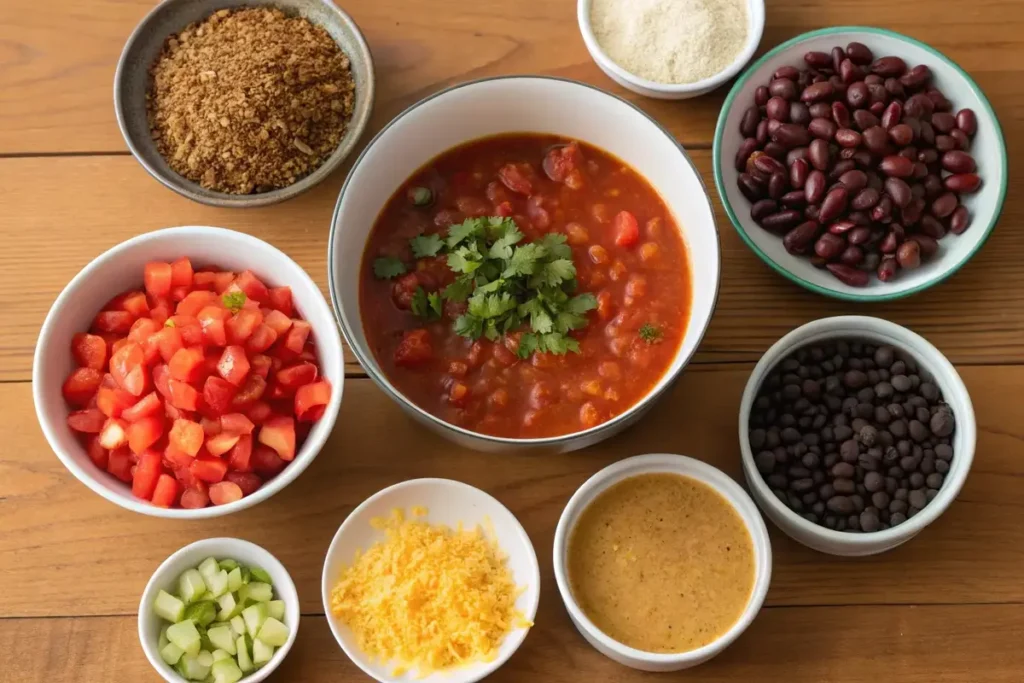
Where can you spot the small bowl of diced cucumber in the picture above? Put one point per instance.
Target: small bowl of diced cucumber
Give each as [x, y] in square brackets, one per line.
[221, 610]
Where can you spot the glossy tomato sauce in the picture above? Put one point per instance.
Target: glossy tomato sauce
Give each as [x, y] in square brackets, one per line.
[627, 251]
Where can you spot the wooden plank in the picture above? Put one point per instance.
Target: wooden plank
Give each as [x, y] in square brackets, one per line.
[847, 645]
[59, 536]
[61, 213]
[55, 87]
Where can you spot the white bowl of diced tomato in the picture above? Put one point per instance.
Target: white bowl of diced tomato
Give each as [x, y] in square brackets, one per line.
[189, 372]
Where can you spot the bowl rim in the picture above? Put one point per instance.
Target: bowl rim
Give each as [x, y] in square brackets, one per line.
[183, 186]
[518, 635]
[756, 10]
[832, 327]
[366, 358]
[293, 611]
[125, 499]
[665, 463]
[951, 269]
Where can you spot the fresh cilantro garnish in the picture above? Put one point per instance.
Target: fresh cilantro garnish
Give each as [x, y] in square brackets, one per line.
[426, 245]
[387, 267]
[650, 333]
[169, 323]
[426, 305]
[233, 301]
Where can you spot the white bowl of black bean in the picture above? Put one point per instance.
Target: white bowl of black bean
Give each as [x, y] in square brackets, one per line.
[855, 434]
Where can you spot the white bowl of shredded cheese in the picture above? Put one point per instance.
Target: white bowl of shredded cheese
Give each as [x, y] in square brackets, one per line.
[437, 570]
[671, 49]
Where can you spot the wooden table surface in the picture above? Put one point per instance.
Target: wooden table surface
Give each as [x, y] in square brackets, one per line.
[948, 606]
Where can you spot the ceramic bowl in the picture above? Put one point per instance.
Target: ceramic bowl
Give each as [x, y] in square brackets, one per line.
[509, 105]
[667, 91]
[672, 464]
[120, 269]
[131, 81]
[987, 147]
[450, 503]
[166, 578]
[932, 363]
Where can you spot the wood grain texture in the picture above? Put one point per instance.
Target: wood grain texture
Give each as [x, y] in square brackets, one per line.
[60, 536]
[60, 213]
[57, 67]
[909, 644]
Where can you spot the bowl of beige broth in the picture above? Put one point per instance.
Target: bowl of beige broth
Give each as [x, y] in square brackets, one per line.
[662, 561]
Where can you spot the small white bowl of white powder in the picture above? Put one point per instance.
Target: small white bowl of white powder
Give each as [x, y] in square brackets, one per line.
[671, 49]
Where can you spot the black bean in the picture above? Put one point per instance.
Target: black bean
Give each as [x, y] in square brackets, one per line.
[840, 505]
[897, 518]
[843, 469]
[849, 451]
[873, 482]
[880, 499]
[934, 480]
[918, 432]
[918, 499]
[765, 461]
[916, 480]
[844, 486]
[869, 521]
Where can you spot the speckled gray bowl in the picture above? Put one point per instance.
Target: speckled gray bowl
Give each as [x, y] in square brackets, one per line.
[131, 81]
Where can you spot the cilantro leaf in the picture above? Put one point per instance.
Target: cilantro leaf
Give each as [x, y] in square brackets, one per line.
[491, 305]
[434, 299]
[650, 333]
[460, 232]
[502, 247]
[426, 305]
[523, 260]
[559, 344]
[581, 303]
[460, 289]
[467, 325]
[424, 246]
[464, 260]
[555, 245]
[233, 301]
[554, 273]
[529, 344]
[540, 319]
[387, 267]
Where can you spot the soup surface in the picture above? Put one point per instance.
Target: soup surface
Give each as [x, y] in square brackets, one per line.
[608, 331]
[661, 563]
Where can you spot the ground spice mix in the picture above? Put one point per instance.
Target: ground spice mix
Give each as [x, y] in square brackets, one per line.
[250, 100]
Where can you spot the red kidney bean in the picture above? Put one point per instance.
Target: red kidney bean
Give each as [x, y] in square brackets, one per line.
[850, 72]
[762, 208]
[865, 199]
[944, 143]
[932, 186]
[960, 137]
[889, 66]
[892, 114]
[838, 56]
[857, 95]
[818, 60]
[959, 220]
[811, 212]
[852, 255]
[870, 262]
[943, 121]
[931, 226]
[848, 275]
[829, 246]
[909, 153]
[794, 199]
[790, 72]
[791, 135]
[817, 153]
[927, 244]
[939, 100]
[748, 124]
[799, 238]
[838, 87]
[894, 87]
[777, 109]
[882, 213]
[799, 113]
[767, 164]
[847, 152]
[798, 171]
[877, 108]
[878, 93]
[783, 88]
[820, 110]
[889, 243]
[862, 158]
[777, 185]
[927, 133]
[967, 121]
[847, 137]
[759, 177]
[920, 170]
[916, 77]
[876, 139]
[762, 132]
[815, 186]
[775, 150]
[901, 134]
[897, 166]
[859, 218]
[833, 204]
[956, 161]
[898, 190]
[962, 183]
[841, 227]
[917, 191]
[794, 154]
[749, 187]
[909, 255]
[919, 106]
[746, 148]
[773, 125]
[782, 221]
[864, 119]
[911, 213]
[841, 115]
[822, 128]
[928, 156]
[859, 235]
[840, 168]
[944, 205]
[817, 92]
[859, 53]
[874, 180]
[761, 95]
[854, 180]
[887, 269]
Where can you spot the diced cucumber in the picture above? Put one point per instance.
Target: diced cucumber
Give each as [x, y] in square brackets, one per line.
[162, 640]
[191, 668]
[246, 575]
[258, 591]
[184, 635]
[228, 564]
[203, 613]
[205, 658]
[222, 638]
[221, 654]
[226, 671]
[238, 625]
[171, 653]
[273, 632]
[168, 607]
[244, 660]
[191, 585]
[218, 584]
[207, 568]
[228, 607]
[260, 575]
[254, 616]
[234, 579]
[276, 608]
[204, 640]
[261, 652]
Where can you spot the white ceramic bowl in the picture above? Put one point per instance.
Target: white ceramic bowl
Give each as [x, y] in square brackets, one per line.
[987, 147]
[119, 269]
[666, 91]
[508, 105]
[189, 557]
[931, 362]
[673, 464]
[447, 502]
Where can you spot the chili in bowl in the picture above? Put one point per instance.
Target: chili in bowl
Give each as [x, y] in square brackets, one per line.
[514, 288]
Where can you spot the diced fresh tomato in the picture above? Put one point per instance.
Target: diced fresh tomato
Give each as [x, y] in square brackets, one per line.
[263, 337]
[193, 498]
[128, 370]
[168, 340]
[260, 364]
[211, 319]
[211, 426]
[88, 421]
[252, 286]
[258, 412]
[90, 350]
[221, 443]
[144, 432]
[166, 492]
[203, 280]
[222, 280]
[278, 432]
[162, 380]
[414, 349]
[265, 461]
[281, 300]
[120, 463]
[160, 310]
[218, 395]
[147, 406]
[233, 365]
[114, 434]
[310, 397]
[236, 423]
[136, 304]
[187, 436]
[295, 376]
[147, 471]
[225, 492]
[97, 453]
[208, 469]
[188, 327]
[627, 232]
[142, 333]
[247, 481]
[241, 325]
[178, 293]
[240, 455]
[172, 412]
[157, 280]
[250, 391]
[196, 301]
[81, 385]
[181, 273]
[187, 364]
[183, 395]
[277, 321]
[114, 321]
[113, 400]
[177, 459]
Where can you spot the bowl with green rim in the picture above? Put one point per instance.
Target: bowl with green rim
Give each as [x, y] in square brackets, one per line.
[987, 147]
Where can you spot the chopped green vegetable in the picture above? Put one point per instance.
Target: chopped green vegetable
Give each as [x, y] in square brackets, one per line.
[191, 585]
[218, 584]
[387, 267]
[226, 671]
[244, 660]
[185, 635]
[650, 333]
[221, 654]
[259, 574]
[424, 246]
[191, 667]
[203, 613]
[246, 575]
[222, 638]
[208, 568]
[420, 196]
[276, 609]
[171, 653]
[168, 607]
[233, 301]
[261, 652]
[234, 579]
[238, 625]
[258, 591]
[254, 616]
[228, 564]
[229, 607]
[426, 305]
[273, 632]
[162, 640]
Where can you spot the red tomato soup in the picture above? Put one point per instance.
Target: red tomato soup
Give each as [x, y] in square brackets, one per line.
[493, 333]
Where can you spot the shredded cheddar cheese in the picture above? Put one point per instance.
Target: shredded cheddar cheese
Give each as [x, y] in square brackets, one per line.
[428, 597]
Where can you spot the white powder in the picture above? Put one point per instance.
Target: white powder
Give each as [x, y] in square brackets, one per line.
[671, 41]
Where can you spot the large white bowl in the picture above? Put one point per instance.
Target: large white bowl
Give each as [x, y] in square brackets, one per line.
[672, 464]
[508, 105]
[166, 578]
[987, 147]
[447, 502]
[120, 269]
[932, 363]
